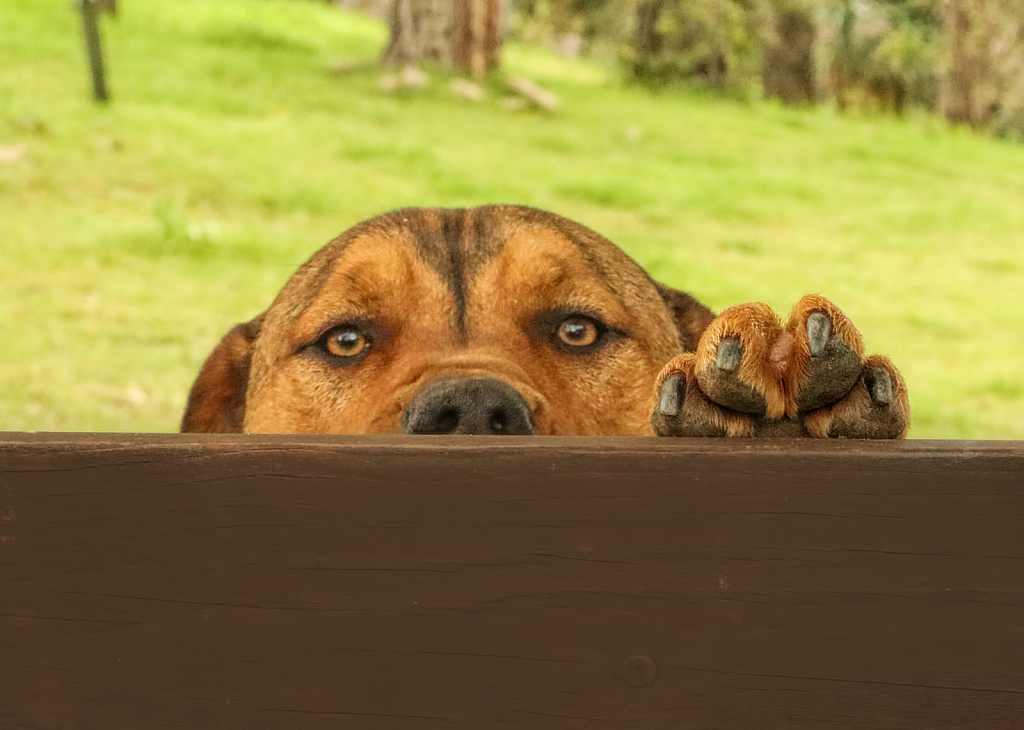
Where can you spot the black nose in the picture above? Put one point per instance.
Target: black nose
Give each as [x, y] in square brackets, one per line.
[477, 406]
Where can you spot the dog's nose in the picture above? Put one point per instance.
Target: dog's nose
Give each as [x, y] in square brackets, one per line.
[463, 405]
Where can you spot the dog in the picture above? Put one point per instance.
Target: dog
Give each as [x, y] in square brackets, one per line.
[508, 320]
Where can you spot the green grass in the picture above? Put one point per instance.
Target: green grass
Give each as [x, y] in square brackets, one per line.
[133, 236]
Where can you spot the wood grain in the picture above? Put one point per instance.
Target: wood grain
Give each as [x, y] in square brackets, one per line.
[169, 581]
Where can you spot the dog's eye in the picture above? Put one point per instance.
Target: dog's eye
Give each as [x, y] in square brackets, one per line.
[345, 342]
[574, 332]
[578, 331]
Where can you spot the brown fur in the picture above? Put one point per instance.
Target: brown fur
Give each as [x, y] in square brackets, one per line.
[216, 403]
[691, 317]
[465, 292]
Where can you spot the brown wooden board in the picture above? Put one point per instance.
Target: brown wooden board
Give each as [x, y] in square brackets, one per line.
[387, 582]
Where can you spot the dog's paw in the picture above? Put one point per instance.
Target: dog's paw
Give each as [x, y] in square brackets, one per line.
[752, 375]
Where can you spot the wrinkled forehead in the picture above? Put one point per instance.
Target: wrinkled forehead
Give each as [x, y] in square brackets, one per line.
[391, 253]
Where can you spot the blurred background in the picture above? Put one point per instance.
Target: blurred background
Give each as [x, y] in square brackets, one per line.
[869, 150]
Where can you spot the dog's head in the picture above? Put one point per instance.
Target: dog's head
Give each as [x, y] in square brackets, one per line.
[499, 319]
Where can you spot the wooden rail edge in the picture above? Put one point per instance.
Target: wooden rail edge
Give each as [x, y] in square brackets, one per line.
[172, 581]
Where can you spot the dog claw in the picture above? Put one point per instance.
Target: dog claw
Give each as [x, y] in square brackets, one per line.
[879, 384]
[819, 329]
[670, 396]
[730, 354]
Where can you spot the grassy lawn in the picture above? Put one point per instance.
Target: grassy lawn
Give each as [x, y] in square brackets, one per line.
[133, 236]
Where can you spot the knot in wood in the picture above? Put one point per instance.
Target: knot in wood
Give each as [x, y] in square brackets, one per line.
[639, 670]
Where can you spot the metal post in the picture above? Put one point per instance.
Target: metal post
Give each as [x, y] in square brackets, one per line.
[91, 29]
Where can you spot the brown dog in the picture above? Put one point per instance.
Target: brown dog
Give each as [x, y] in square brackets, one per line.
[509, 320]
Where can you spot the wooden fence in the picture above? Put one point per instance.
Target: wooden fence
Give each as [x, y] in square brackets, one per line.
[166, 581]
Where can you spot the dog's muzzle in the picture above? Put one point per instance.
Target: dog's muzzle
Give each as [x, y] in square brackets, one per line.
[471, 406]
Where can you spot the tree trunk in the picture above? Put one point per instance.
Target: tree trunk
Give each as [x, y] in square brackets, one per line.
[964, 66]
[460, 34]
[648, 42]
[788, 70]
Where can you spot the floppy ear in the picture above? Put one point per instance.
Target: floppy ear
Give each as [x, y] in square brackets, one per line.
[216, 403]
[691, 317]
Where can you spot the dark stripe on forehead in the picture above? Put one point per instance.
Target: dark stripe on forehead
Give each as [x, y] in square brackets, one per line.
[453, 270]
[456, 243]
[436, 234]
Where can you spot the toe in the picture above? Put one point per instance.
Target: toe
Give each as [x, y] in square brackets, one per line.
[828, 359]
[822, 322]
[733, 360]
[876, 408]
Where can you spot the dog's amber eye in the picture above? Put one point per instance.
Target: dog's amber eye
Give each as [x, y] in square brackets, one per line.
[578, 331]
[345, 342]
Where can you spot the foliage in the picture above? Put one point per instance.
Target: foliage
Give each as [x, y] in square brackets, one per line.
[863, 54]
[882, 53]
[600, 28]
[133, 236]
[657, 41]
[713, 41]
[983, 63]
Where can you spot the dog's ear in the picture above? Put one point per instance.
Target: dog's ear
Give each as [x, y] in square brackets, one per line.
[216, 403]
[691, 317]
